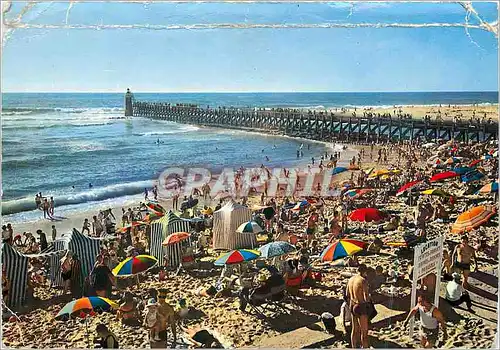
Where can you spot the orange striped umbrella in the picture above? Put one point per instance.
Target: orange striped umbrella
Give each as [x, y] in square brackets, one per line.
[473, 218]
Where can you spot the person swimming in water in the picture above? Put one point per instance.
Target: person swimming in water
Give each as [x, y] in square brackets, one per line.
[90, 185]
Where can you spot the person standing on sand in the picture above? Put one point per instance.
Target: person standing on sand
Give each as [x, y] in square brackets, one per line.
[46, 208]
[167, 317]
[361, 307]
[430, 318]
[54, 233]
[86, 226]
[66, 264]
[145, 194]
[51, 206]
[97, 227]
[175, 201]
[43, 240]
[462, 256]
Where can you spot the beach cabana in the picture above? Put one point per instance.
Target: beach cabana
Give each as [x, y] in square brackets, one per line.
[160, 229]
[226, 221]
[86, 249]
[16, 265]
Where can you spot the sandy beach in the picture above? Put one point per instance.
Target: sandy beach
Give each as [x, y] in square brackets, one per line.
[221, 315]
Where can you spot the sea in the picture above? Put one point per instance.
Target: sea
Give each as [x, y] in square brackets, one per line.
[60, 143]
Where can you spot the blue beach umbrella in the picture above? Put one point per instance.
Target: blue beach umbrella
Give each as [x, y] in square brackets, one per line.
[471, 176]
[249, 227]
[338, 170]
[275, 249]
[462, 170]
[489, 188]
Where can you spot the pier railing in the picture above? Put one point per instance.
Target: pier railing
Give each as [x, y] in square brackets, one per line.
[324, 126]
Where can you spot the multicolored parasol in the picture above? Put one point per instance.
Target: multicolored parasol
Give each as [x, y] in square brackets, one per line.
[462, 170]
[134, 265]
[342, 248]
[85, 305]
[153, 215]
[274, 249]
[155, 207]
[249, 227]
[176, 238]
[489, 188]
[356, 193]
[473, 218]
[407, 187]
[367, 215]
[236, 257]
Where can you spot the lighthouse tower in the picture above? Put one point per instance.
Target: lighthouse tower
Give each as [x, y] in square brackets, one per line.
[128, 104]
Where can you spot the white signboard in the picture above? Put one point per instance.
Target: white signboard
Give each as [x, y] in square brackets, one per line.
[428, 259]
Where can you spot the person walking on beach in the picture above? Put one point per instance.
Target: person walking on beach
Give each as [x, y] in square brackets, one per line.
[361, 307]
[38, 201]
[167, 317]
[175, 201]
[43, 240]
[463, 255]
[54, 233]
[145, 194]
[155, 192]
[51, 206]
[97, 227]
[46, 207]
[430, 319]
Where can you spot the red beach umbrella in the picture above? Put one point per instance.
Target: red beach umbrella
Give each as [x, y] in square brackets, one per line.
[406, 187]
[475, 162]
[444, 176]
[176, 238]
[367, 215]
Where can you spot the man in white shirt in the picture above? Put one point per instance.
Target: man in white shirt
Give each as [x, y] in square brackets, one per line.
[455, 293]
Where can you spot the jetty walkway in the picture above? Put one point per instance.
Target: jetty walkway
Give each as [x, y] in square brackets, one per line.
[324, 126]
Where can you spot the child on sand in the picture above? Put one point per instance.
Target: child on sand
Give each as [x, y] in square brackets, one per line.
[151, 319]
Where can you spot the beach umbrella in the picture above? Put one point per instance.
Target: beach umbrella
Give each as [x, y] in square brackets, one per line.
[346, 183]
[274, 249]
[153, 215]
[473, 218]
[475, 162]
[407, 187]
[489, 188]
[208, 211]
[471, 176]
[367, 215]
[133, 224]
[85, 305]
[176, 238]
[341, 249]
[237, 257]
[300, 205]
[453, 160]
[338, 170]
[249, 227]
[462, 170]
[134, 265]
[436, 192]
[356, 193]
[443, 176]
[486, 157]
[155, 207]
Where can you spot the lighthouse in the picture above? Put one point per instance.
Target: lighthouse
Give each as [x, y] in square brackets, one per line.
[128, 104]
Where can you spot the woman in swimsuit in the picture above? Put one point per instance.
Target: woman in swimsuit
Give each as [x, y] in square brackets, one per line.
[128, 313]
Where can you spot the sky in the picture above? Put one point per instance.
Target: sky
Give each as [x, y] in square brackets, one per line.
[250, 59]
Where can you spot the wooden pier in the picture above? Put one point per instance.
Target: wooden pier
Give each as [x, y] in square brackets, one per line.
[313, 125]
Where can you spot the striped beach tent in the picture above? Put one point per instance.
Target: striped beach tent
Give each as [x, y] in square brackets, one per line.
[226, 221]
[16, 265]
[86, 248]
[160, 229]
